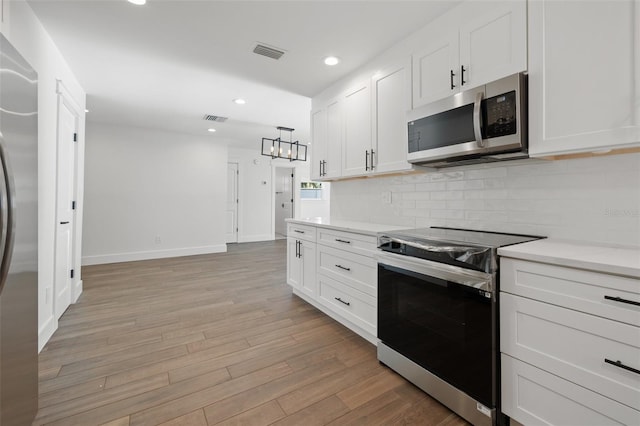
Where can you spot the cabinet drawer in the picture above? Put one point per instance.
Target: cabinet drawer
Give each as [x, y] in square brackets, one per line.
[356, 270]
[573, 345]
[351, 304]
[532, 396]
[356, 243]
[599, 294]
[301, 232]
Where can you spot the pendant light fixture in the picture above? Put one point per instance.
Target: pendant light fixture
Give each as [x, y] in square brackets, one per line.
[289, 150]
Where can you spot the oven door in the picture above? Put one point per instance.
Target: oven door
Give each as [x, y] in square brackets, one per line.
[441, 318]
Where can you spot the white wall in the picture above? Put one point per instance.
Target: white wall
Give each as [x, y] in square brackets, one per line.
[593, 199]
[256, 218]
[152, 194]
[27, 35]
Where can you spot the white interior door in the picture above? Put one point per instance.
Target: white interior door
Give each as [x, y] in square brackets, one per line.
[283, 198]
[66, 152]
[232, 203]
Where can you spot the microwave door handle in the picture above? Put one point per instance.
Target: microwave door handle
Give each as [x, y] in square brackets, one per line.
[477, 129]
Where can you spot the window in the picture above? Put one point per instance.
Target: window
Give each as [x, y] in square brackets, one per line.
[311, 190]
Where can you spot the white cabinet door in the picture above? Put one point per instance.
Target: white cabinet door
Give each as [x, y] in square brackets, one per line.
[435, 70]
[357, 130]
[532, 396]
[584, 83]
[307, 252]
[333, 166]
[318, 142]
[4, 16]
[391, 101]
[294, 263]
[493, 45]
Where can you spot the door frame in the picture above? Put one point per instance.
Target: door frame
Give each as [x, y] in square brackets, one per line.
[237, 218]
[294, 204]
[66, 99]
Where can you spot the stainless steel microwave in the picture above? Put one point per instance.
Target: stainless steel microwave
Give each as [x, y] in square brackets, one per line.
[484, 124]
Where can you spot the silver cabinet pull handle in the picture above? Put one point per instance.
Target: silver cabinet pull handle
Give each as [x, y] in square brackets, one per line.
[343, 241]
[343, 267]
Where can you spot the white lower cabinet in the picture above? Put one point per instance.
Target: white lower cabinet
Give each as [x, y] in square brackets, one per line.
[533, 396]
[357, 307]
[301, 258]
[570, 345]
[337, 273]
[301, 265]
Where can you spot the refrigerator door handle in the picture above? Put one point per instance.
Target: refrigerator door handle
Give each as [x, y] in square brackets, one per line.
[7, 214]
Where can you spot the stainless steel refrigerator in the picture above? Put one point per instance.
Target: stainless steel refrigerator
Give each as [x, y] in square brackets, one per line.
[18, 238]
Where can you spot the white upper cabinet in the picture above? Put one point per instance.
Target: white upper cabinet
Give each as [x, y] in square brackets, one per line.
[318, 142]
[391, 99]
[584, 76]
[484, 47]
[435, 68]
[333, 166]
[493, 45]
[357, 130]
[326, 145]
[4, 16]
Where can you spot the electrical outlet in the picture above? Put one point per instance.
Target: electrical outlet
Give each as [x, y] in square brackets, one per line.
[386, 197]
[158, 239]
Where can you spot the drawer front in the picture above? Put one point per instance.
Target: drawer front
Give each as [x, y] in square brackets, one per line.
[573, 345]
[356, 270]
[301, 232]
[350, 304]
[356, 243]
[533, 396]
[599, 294]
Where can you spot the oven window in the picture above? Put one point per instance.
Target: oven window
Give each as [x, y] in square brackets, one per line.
[446, 128]
[443, 326]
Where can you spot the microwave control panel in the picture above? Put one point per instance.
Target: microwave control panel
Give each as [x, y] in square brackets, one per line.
[499, 115]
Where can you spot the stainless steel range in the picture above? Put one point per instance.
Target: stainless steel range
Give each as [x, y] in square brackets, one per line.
[438, 315]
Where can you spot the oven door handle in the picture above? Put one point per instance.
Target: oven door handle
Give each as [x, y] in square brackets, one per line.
[465, 277]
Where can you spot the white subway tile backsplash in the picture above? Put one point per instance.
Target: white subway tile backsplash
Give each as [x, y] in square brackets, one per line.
[592, 199]
[447, 214]
[495, 172]
[447, 195]
[431, 204]
[432, 186]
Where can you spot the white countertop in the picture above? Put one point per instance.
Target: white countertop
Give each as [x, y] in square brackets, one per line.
[594, 257]
[347, 225]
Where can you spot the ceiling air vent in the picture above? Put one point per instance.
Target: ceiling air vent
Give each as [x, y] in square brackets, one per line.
[267, 51]
[215, 118]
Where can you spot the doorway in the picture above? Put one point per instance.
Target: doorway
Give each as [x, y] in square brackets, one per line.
[67, 142]
[232, 203]
[284, 187]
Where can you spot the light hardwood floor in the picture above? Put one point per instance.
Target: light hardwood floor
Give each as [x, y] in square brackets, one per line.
[215, 339]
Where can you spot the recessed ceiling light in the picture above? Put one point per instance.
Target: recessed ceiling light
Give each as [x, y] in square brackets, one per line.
[86, 110]
[211, 130]
[240, 101]
[137, 2]
[331, 61]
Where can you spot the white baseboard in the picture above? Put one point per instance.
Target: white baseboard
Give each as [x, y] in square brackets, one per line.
[153, 254]
[255, 238]
[46, 331]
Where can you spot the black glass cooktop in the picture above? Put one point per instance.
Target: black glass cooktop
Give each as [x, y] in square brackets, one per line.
[460, 247]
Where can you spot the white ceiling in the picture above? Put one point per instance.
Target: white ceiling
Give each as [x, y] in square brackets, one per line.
[168, 63]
